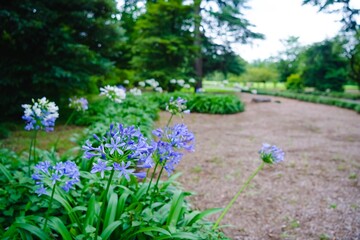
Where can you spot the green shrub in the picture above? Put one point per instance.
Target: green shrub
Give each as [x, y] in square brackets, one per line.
[357, 108]
[204, 103]
[139, 111]
[315, 99]
[294, 82]
[6, 128]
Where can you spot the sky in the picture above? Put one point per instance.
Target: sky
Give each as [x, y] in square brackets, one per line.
[279, 19]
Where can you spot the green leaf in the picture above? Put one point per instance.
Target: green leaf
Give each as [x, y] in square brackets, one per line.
[140, 192]
[111, 210]
[56, 224]
[121, 204]
[33, 230]
[91, 213]
[72, 214]
[149, 229]
[6, 173]
[175, 209]
[109, 230]
[180, 235]
[203, 214]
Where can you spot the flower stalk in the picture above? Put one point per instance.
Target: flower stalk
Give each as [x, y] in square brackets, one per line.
[49, 207]
[246, 184]
[102, 210]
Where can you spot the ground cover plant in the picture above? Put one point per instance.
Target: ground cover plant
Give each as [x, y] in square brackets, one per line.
[113, 189]
[338, 102]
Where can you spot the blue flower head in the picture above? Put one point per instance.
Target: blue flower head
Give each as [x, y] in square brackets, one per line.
[79, 104]
[177, 107]
[41, 115]
[172, 141]
[65, 174]
[122, 149]
[114, 93]
[271, 154]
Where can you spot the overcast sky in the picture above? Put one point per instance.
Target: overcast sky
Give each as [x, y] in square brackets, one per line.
[279, 19]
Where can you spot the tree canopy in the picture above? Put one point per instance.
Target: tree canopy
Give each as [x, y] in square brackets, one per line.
[55, 48]
[326, 66]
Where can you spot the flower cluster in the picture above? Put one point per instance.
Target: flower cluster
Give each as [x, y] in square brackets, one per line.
[171, 141]
[41, 115]
[65, 174]
[271, 154]
[182, 83]
[158, 89]
[177, 106]
[122, 149]
[152, 83]
[114, 93]
[79, 104]
[135, 91]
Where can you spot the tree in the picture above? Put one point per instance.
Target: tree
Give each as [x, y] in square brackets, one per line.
[353, 54]
[260, 72]
[163, 46]
[351, 29]
[54, 48]
[219, 19]
[288, 62]
[219, 58]
[346, 7]
[325, 66]
[294, 82]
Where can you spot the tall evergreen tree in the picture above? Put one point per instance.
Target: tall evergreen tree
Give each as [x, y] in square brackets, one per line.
[54, 48]
[351, 29]
[325, 66]
[288, 62]
[222, 20]
[163, 46]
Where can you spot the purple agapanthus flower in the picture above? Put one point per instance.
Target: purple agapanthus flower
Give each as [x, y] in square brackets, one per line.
[79, 104]
[101, 167]
[179, 136]
[41, 115]
[118, 146]
[172, 140]
[123, 169]
[40, 190]
[65, 174]
[177, 106]
[271, 153]
[115, 145]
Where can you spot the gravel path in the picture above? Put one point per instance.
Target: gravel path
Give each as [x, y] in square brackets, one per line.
[314, 194]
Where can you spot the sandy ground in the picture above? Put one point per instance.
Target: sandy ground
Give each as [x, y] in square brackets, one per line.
[314, 194]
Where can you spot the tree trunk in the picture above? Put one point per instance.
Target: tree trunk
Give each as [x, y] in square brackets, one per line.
[197, 43]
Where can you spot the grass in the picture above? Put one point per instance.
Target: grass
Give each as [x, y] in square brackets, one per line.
[217, 86]
[19, 141]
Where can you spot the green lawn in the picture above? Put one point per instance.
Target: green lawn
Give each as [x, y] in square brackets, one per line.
[216, 86]
[19, 140]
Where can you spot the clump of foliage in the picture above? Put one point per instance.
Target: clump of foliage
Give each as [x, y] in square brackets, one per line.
[295, 82]
[341, 95]
[315, 99]
[326, 67]
[104, 192]
[139, 111]
[57, 48]
[205, 103]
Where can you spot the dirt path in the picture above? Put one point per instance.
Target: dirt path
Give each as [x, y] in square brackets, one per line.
[314, 194]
